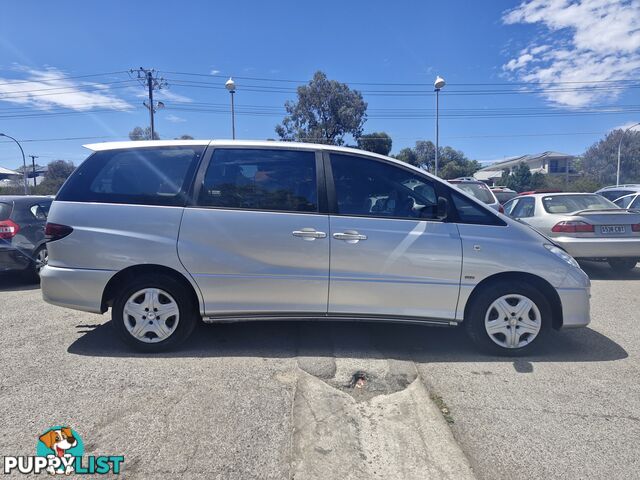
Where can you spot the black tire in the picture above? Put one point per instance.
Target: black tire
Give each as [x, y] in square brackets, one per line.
[188, 311]
[622, 264]
[478, 308]
[32, 273]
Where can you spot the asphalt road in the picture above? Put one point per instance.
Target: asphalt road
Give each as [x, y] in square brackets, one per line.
[283, 400]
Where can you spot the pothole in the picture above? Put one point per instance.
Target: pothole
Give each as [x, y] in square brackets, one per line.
[358, 380]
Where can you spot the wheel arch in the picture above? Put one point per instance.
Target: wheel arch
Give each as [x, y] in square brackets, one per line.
[123, 276]
[540, 283]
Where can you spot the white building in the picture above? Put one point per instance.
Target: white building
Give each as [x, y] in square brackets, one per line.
[548, 163]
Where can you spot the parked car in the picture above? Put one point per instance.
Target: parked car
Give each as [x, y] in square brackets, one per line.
[629, 201]
[22, 241]
[479, 190]
[586, 225]
[166, 232]
[503, 194]
[614, 192]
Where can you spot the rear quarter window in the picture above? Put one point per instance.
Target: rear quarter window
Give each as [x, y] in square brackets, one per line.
[5, 210]
[144, 176]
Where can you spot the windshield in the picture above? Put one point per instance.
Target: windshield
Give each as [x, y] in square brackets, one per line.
[478, 190]
[574, 203]
[625, 201]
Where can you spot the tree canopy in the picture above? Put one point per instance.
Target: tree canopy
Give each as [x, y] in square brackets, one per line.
[139, 133]
[600, 161]
[325, 112]
[452, 163]
[376, 142]
[57, 172]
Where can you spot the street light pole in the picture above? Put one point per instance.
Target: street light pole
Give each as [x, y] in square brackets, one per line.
[231, 86]
[619, 146]
[437, 85]
[24, 162]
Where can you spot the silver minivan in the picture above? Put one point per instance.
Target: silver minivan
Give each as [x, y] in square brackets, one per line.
[166, 233]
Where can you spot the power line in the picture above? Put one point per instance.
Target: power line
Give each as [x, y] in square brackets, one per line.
[149, 78]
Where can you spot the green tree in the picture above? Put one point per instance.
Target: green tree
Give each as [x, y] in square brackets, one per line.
[57, 172]
[184, 137]
[600, 160]
[376, 142]
[452, 163]
[326, 111]
[139, 133]
[407, 155]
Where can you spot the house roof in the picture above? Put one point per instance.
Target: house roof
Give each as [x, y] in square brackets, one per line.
[6, 171]
[513, 161]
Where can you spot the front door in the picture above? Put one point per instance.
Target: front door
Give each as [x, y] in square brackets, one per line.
[390, 253]
[255, 242]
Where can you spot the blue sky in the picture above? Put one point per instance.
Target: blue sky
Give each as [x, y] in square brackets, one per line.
[486, 51]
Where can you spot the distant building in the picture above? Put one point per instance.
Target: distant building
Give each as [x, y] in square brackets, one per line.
[8, 177]
[548, 163]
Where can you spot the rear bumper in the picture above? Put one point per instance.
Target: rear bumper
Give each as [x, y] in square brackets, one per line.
[600, 247]
[12, 259]
[79, 289]
[575, 306]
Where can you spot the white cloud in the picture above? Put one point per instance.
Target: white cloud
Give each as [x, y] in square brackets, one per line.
[46, 89]
[636, 128]
[174, 118]
[590, 40]
[214, 72]
[168, 95]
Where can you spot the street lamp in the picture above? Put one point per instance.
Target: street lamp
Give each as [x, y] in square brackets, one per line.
[231, 86]
[437, 85]
[24, 162]
[619, 146]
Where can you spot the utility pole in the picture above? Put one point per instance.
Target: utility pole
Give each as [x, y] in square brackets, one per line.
[33, 163]
[148, 78]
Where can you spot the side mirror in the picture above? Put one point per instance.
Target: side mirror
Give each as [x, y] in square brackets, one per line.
[443, 208]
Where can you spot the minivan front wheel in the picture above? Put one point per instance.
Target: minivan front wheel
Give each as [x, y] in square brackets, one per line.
[154, 313]
[508, 318]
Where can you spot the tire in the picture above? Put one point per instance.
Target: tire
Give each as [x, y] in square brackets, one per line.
[39, 259]
[135, 320]
[486, 312]
[623, 264]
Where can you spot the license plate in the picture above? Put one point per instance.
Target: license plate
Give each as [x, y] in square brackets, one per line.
[609, 229]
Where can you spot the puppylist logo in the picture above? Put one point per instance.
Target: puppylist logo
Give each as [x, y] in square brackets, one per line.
[60, 451]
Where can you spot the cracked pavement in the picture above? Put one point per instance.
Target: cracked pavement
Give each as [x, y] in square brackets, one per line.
[274, 399]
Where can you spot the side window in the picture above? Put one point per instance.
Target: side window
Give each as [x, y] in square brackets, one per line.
[145, 176]
[525, 208]
[624, 202]
[510, 205]
[258, 179]
[40, 210]
[635, 203]
[470, 212]
[369, 187]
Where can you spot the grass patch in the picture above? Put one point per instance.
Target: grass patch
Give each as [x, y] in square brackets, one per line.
[444, 409]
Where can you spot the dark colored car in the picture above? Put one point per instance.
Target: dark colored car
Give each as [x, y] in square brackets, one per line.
[503, 194]
[22, 240]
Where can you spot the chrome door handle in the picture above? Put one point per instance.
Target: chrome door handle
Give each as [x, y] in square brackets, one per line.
[349, 236]
[308, 234]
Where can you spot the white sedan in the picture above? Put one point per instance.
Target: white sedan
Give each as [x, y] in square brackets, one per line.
[586, 225]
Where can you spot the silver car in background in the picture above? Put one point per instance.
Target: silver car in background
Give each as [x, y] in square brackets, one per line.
[586, 225]
[631, 201]
[167, 232]
[614, 192]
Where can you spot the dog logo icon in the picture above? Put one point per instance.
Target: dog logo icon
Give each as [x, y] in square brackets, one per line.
[61, 442]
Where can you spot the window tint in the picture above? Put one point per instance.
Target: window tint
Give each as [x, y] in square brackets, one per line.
[574, 203]
[5, 210]
[153, 176]
[261, 180]
[369, 187]
[635, 203]
[525, 208]
[615, 194]
[470, 212]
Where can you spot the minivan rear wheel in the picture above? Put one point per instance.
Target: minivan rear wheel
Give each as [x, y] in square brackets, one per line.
[508, 318]
[154, 313]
